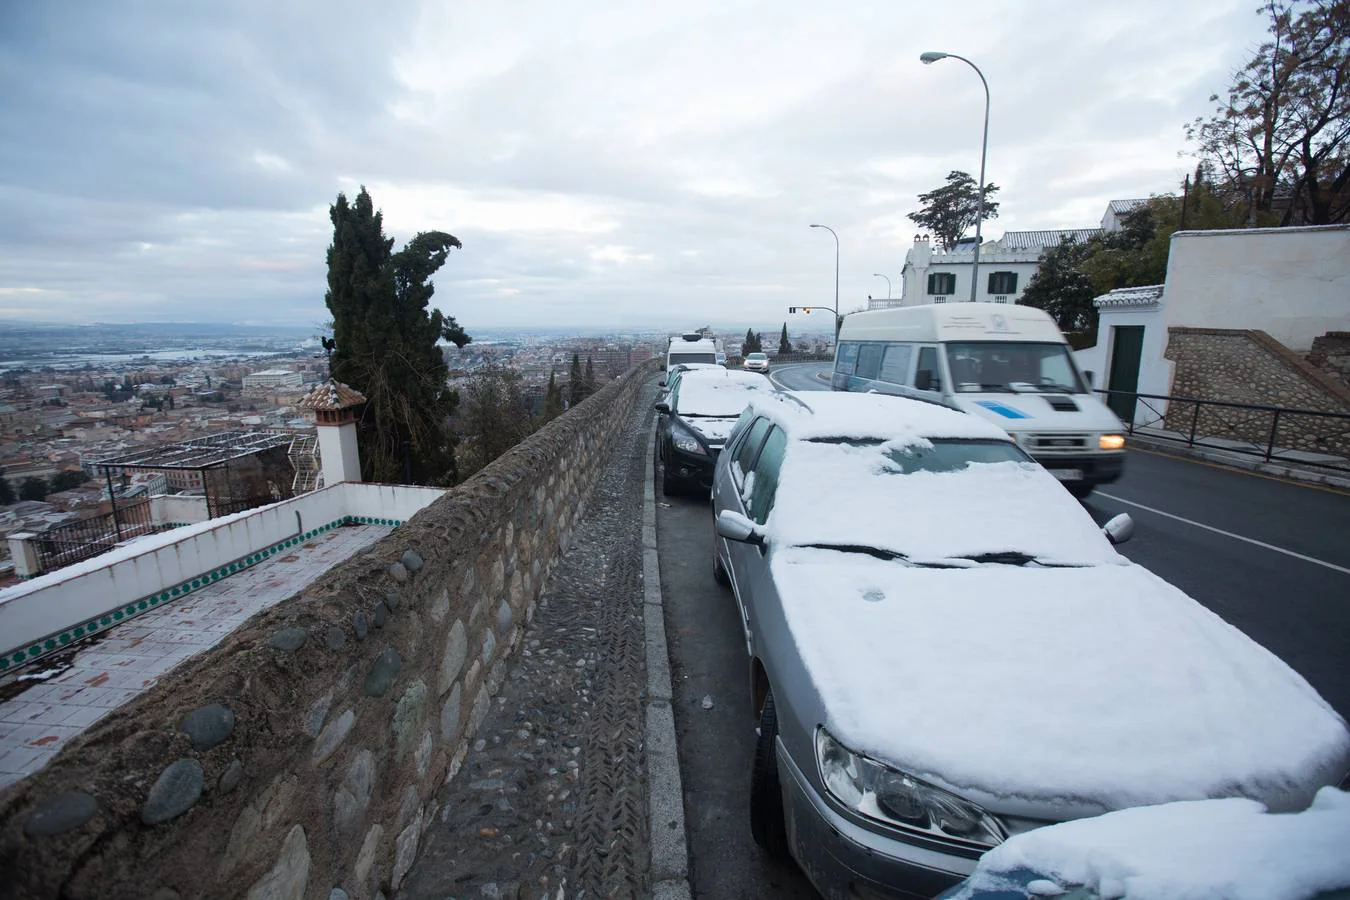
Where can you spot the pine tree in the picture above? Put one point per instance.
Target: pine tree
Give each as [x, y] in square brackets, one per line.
[589, 377]
[386, 344]
[784, 345]
[553, 406]
[1061, 288]
[576, 382]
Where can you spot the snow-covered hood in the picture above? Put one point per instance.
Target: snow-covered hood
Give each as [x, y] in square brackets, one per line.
[714, 431]
[832, 493]
[1032, 411]
[1057, 689]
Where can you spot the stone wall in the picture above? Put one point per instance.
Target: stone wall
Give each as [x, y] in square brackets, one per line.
[299, 758]
[1331, 354]
[1247, 366]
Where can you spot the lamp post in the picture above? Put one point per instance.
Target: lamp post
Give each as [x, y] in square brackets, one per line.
[888, 283]
[836, 276]
[928, 59]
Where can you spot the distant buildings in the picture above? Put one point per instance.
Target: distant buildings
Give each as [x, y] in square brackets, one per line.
[272, 379]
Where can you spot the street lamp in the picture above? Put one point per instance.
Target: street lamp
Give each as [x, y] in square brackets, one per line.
[928, 59]
[836, 276]
[888, 283]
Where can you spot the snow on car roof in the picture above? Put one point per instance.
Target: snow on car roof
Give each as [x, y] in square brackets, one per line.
[1231, 848]
[819, 414]
[718, 392]
[1089, 689]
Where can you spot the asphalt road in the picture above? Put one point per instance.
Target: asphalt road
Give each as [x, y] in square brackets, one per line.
[1269, 556]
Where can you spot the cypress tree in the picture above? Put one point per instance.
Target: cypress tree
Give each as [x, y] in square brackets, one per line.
[386, 344]
[576, 382]
[589, 378]
[552, 399]
[749, 345]
[784, 345]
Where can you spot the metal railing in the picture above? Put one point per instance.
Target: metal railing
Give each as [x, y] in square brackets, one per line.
[1305, 437]
[80, 540]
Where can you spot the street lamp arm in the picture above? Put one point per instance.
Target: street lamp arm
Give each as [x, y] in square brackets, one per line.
[836, 275]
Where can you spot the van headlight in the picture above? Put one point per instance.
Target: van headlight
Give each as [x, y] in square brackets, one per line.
[899, 799]
[1111, 442]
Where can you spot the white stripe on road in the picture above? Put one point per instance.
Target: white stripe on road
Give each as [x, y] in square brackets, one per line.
[1237, 537]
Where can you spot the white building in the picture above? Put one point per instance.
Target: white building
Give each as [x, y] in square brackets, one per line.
[1006, 265]
[271, 379]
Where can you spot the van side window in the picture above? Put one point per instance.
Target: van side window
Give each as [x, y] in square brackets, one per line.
[869, 360]
[895, 364]
[847, 357]
[928, 377]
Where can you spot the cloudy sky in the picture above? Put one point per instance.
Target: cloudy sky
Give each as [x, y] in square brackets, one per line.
[604, 162]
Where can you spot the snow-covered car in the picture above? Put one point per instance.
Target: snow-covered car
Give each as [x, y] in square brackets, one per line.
[756, 362]
[672, 376]
[1232, 848]
[945, 651]
[697, 414]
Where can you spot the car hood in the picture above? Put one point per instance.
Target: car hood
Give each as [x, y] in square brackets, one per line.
[1057, 692]
[714, 431]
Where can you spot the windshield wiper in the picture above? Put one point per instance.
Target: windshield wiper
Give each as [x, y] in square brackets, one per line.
[1016, 558]
[996, 388]
[1058, 388]
[694, 415]
[886, 555]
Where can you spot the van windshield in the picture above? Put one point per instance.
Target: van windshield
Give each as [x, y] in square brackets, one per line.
[1012, 366]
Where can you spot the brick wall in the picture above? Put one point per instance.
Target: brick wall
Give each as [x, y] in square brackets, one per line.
[1331, 354]
[302, 754]
[1247, 366]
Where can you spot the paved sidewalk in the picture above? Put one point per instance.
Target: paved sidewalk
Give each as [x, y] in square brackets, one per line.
[552, 798]
[96, 678]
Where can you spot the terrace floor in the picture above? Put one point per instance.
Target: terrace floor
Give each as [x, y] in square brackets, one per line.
[92, 680]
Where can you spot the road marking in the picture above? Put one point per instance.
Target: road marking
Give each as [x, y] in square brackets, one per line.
[1311, 559]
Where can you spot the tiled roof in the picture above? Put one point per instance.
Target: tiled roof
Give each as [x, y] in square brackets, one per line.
[331, 396]
[1041, 240]
[1121, 207]
[1148, 295]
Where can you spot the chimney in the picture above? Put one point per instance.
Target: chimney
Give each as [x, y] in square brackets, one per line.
[335, 407]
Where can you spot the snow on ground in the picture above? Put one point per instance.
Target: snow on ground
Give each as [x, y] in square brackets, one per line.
[1229, 849]
[1075, 690]
[717, 392]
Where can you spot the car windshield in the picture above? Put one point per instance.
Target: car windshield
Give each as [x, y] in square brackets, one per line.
[940, 455]
[757, 356]
[1012, 366]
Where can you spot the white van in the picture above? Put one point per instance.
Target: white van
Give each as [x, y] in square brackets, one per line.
[691, 348]
[1008, 364]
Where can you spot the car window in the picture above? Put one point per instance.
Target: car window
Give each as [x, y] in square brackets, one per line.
[766, 475]
[869, 360]
[749, 449]
[738, 433]
[895, 363]
[927, 376]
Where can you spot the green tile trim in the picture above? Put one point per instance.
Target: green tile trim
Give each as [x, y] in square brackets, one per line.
[51, 643]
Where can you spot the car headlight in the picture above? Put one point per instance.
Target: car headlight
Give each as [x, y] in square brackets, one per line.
[899, 799]
[685, 441]
[1111, 442]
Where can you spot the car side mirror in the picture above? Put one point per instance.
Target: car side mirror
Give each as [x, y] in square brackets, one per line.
[1119, 529]
[735, 527]
[662, 407]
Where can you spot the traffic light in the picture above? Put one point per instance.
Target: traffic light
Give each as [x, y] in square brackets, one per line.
[805, 309]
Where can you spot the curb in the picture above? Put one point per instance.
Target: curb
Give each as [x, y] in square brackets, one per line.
[665, 790]
[1241, 462]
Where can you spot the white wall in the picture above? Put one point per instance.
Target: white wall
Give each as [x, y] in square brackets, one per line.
[58, 600]
[1155, 372]
[338, 454]
[1292, 283]
[178, 509]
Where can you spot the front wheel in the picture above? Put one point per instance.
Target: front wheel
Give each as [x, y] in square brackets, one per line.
[768, 824]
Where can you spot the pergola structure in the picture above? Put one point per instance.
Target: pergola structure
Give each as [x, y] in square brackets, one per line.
[234, 470]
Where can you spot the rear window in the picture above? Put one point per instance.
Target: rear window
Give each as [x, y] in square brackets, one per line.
[678, 358]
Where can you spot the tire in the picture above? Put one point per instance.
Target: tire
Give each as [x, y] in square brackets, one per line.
[768, 824]
[1081, 491]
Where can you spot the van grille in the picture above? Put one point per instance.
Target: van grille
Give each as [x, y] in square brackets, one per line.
[1057, 443]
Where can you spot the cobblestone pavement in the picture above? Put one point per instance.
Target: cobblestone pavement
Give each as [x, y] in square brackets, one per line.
[551, 799]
